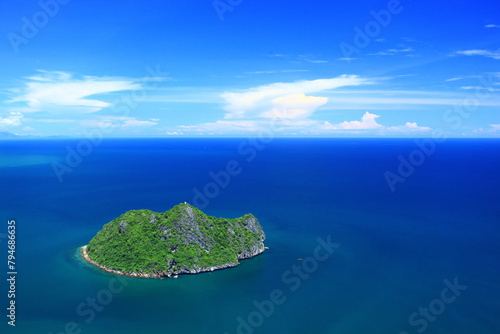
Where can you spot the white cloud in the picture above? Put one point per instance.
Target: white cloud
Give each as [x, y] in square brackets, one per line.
[294, 126]
[100, 124]
[316, 61]
[294, 106]
[55, 92]
[484, 53]
[113, 122]
[136, 123]
[492, 26]
[481, 88]
[468, 77]
[258, 100]
[392, 52]
[373, 101]
[408, 127]
[368, 122]
[230, 125]
[14, 119]
[311, 59]
[245, 127]
[495, 127]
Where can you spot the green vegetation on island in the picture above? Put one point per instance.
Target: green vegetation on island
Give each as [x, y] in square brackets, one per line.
[182, 240]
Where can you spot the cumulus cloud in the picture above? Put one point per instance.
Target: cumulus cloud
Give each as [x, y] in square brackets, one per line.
[495, 127]
[63, 92]
[484, 53]
[294, 106]
[367, 122]
[14, 119]
[259, 100]
[287, 109]
[409, 127]
[291, 126]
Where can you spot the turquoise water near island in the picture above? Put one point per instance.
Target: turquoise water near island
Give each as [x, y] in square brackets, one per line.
[397, 251]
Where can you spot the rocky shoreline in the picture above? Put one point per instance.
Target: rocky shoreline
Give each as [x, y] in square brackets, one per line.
[182, 240]
[258, 249]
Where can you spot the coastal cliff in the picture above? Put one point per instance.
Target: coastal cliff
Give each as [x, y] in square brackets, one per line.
[183, 240]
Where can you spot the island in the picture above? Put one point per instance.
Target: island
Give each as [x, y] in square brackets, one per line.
[182, 240]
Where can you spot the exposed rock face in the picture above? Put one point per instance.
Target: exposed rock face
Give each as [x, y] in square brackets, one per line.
[122, 227]
[152, 219]
[182, 240]
[253, 225]
[190, 229]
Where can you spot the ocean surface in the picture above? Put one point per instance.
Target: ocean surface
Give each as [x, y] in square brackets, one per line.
[423, 256]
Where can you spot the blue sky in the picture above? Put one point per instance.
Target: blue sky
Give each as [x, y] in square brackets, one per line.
[243, 68]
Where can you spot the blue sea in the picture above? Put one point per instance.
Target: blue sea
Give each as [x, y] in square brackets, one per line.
[365, 236]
